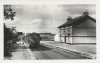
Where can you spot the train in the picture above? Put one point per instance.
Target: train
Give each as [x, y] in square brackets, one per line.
[32, 40]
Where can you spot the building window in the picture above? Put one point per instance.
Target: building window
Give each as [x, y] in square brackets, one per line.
[68, 35]
[68, 29]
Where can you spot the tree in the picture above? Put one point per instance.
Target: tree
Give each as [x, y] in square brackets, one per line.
[9, 34]
[8, 12]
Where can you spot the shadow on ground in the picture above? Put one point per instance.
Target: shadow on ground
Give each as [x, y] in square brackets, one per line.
[41, 47]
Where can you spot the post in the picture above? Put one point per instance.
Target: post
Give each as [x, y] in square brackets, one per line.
[60, 34]
[64, 34]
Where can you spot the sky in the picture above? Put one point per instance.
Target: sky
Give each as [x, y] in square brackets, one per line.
[46, 18]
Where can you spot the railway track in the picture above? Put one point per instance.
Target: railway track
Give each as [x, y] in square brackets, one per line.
[43, 55]
[64, 51]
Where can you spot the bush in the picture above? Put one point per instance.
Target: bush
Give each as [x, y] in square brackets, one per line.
[9, 36]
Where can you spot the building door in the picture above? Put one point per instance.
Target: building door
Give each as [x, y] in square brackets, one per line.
[65, 39]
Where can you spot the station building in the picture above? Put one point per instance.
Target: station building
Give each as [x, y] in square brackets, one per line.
[81, 29]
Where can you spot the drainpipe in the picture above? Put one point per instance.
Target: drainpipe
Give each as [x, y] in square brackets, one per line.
[69, 34]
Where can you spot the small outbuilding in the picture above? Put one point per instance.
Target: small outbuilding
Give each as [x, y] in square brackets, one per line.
[81, 29]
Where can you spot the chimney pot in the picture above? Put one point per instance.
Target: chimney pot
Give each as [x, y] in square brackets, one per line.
[69, 18]
[85, 13]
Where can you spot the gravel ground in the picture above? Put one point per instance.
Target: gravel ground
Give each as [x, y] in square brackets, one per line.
[20, 52]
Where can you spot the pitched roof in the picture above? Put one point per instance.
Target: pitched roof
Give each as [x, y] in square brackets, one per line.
[76, 20]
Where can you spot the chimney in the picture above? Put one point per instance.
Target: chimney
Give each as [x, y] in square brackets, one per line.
[69, 18]
[85, 13]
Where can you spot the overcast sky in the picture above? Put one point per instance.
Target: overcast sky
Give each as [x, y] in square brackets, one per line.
[46, 18]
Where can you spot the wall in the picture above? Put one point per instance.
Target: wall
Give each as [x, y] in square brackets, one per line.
[68, 30]
[56, 37]
[84, 39]
[84, 33]
[69, 39]
[62, 39]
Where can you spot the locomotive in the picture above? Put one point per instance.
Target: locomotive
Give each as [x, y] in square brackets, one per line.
[32, 40]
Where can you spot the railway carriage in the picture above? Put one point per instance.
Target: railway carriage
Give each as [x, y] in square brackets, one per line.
[32, 40]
